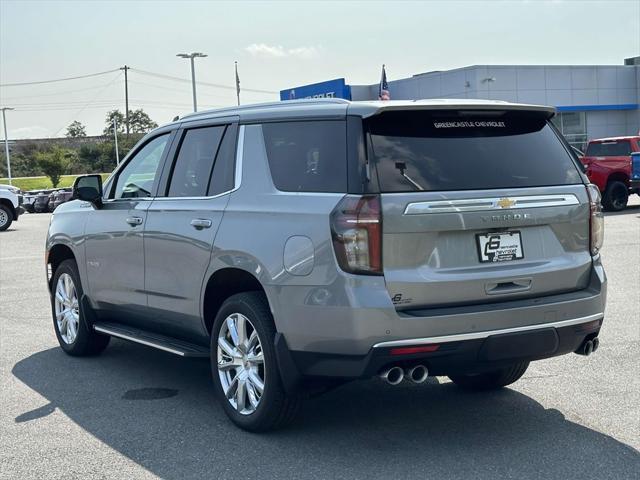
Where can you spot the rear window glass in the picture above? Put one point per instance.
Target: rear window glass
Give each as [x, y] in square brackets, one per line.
[307, 156]
[467, 150]
[618, 148]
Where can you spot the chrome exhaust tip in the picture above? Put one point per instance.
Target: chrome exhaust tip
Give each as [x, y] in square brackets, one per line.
[393, 375]
[417, 374]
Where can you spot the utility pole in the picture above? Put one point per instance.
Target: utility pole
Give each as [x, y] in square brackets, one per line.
[6, 141]
[191, 56]
[115, 136]
[126, 99]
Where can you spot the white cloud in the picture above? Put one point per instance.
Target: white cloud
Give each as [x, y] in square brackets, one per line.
[278, 51]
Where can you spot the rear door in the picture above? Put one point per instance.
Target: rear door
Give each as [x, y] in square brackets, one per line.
[478, 207]
[182, 222]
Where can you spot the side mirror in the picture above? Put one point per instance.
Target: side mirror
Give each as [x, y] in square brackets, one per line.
[89, 189]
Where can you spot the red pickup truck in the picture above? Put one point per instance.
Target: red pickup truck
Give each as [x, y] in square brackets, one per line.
[608, 165]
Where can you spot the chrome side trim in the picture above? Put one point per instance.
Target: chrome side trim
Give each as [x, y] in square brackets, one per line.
[487, 333]
[137, 340]
[490, 203]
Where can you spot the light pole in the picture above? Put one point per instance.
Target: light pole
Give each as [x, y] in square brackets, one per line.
[191, 56]
[6, 141]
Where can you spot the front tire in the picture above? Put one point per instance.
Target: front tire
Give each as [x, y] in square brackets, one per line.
[244, 365]
[491, 380]
[615, 197]
[75, 335]
[6, 217]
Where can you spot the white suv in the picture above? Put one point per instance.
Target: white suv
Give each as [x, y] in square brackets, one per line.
[10, 205]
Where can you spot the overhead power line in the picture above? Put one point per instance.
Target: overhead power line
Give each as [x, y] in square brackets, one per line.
[58, 79]
[208, 84]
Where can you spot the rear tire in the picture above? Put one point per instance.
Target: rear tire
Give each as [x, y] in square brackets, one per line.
[274, 407]
[6, 217]
[80, 339]
[615, 197]
[491, 380]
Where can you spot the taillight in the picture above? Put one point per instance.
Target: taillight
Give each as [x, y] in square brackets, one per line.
[356, 229]
[596, 219]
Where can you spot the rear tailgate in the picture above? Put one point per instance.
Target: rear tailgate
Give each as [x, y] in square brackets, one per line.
[478, 207]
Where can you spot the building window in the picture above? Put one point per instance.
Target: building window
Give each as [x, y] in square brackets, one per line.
[573, 125]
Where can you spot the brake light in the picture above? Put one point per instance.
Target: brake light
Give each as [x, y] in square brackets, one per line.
[356, 230]
[596, 219]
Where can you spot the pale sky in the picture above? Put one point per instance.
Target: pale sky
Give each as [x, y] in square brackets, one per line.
[277, 45]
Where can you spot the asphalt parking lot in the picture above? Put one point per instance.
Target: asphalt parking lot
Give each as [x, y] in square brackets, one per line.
[134, 412]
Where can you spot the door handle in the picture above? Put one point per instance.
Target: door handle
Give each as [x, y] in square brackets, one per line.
[133, 221]
[200, 223]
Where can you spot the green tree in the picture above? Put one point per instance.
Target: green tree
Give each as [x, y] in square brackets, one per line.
[55, 163]
[120, 121]
[76, 130]
[139, 122]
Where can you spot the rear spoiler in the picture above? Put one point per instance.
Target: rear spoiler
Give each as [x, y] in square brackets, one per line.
[369, 109]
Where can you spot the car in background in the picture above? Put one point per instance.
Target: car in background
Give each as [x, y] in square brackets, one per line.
[59, 197]
[29, 199]
[608, 165]
[41, 202]
[10, 205]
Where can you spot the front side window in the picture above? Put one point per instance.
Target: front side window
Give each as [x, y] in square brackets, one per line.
[138, 177]
[307, 156]
[193, 166]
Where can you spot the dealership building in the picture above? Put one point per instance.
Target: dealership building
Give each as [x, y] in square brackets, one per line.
[593, 101]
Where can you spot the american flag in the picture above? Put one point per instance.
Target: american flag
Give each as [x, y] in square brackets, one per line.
[384, 86]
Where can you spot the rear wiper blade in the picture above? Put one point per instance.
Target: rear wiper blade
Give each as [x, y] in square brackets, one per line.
[402, 166]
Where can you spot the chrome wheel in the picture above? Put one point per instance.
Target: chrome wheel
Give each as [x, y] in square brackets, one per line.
[67, 309]
[241, 363]
[4, 218]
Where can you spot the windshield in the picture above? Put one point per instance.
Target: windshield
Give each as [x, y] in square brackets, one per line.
[444, 150]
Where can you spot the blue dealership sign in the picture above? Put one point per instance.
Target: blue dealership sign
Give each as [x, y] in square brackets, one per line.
[329, 89]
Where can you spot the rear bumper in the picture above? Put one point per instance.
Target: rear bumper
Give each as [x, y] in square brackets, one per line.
[355, 340]
[454, 354]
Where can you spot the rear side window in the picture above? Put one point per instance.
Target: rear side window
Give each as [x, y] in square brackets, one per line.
[307, 156]
[436, 151]
[193, 166]
[617, 148]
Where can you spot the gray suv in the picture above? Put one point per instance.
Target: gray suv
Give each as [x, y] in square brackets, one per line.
[302, 244]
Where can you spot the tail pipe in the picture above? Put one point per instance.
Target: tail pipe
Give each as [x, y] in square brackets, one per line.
[588, 347]
[393, 375]
[417, 373]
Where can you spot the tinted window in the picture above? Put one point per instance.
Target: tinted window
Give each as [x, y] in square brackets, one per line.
[137, 178]
[192, 168]
[467, 150]
[619, 148]
[222, 179]
[307, 156]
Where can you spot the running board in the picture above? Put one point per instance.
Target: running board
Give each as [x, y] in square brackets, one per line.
[161, 342]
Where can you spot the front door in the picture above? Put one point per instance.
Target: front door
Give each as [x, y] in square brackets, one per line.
[114, 241]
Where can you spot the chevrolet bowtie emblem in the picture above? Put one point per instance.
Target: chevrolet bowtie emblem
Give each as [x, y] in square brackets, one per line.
[505, 203]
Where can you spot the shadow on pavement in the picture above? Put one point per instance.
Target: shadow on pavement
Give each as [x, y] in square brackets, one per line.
[630, 210]
[362, 430]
